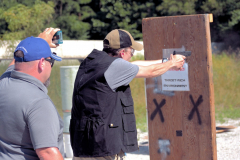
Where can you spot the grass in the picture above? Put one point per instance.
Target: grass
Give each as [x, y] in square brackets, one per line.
[226, 77]
[138, 94]
[224, 113]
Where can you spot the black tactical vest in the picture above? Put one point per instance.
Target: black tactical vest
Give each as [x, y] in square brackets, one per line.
[103, 122]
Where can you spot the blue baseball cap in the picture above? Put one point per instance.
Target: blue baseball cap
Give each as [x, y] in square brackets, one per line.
[35, 48]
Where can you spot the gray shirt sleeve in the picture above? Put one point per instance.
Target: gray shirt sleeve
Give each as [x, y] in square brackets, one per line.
[120, 73]
[43, 124]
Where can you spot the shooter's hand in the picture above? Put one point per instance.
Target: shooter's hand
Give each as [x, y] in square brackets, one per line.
[177, 61]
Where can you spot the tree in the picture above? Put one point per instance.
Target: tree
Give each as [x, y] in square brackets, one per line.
[71, 17]
[177, 7]
[226, 16]
[226, 22]
[24, 21]
[121, 14]
[88, 19]
[4, 5]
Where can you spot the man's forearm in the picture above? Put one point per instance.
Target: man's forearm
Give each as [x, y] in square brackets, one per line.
[147, 63]
[51, 153]
[153, 70]
[158, 69]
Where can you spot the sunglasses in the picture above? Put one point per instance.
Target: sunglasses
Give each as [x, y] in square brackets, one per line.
[132, 51]
[51, 61]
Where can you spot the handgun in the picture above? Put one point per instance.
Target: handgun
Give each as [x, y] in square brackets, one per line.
[184, 53]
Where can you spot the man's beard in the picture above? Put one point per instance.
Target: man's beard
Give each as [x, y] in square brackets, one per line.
[47, 82]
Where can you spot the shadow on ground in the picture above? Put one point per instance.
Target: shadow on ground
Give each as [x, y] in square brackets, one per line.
[143, 150]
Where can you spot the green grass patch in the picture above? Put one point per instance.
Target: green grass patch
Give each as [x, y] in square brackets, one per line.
[226, 78]
[224, 113]
[138, 94]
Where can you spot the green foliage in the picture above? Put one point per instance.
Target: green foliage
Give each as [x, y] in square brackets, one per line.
[4, 5]
[226, 21]
[226, 16]
[88, 19]
[72, 27]
[235, 19]
[70, 16]
[24, 21]
[211, 6]
[23, 18]
[116, 14]
[121, 14]
[177, 7]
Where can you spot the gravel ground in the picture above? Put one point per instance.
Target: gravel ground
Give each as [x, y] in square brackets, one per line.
[228, 144]
[143, 152]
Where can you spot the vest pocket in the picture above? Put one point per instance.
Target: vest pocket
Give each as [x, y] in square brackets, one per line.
[129, 127]
[129, 123]
[127, 104]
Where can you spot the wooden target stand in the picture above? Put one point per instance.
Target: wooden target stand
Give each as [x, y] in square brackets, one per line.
[181, 124]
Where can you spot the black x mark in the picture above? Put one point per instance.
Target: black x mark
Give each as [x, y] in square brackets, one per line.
[199, 101]
[158, 109]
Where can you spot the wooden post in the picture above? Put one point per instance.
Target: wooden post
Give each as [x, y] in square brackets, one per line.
[181, 125]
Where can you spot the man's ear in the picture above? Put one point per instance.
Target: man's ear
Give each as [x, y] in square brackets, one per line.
[41, 64]
[122, 53]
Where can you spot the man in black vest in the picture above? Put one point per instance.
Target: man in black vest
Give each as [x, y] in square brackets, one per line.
[103, 123]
